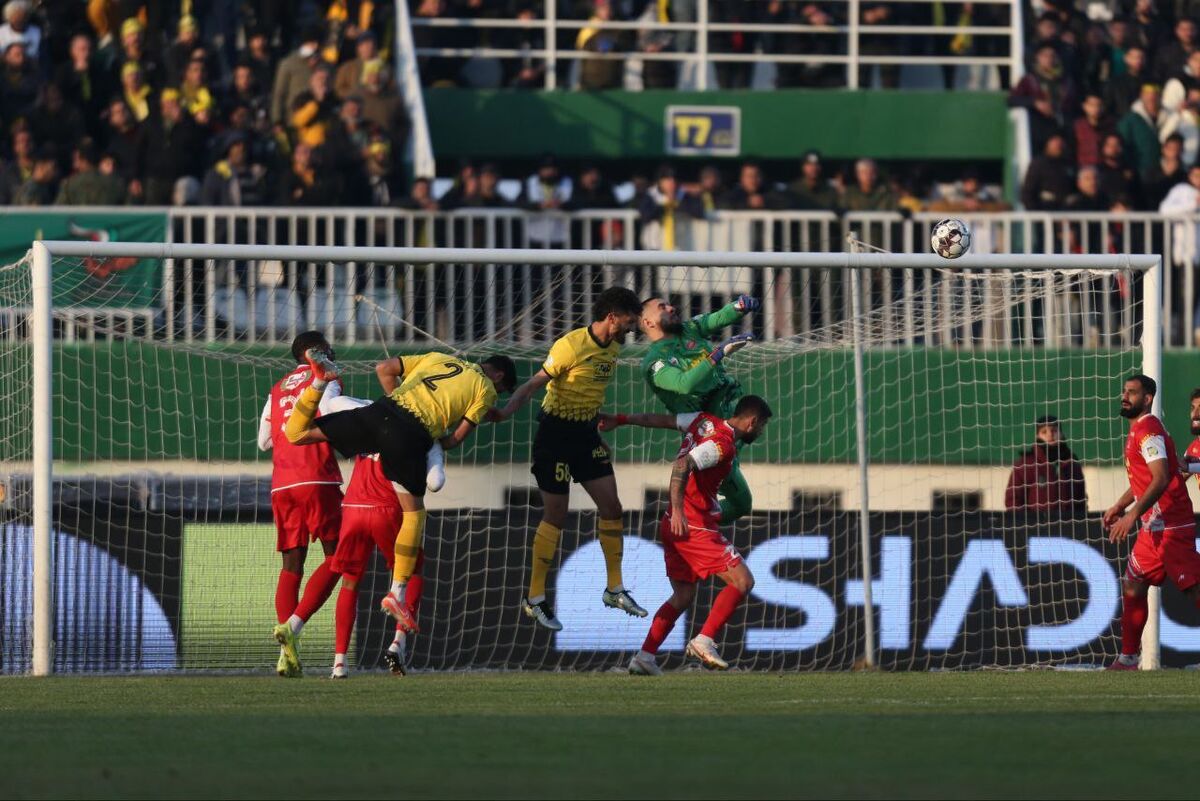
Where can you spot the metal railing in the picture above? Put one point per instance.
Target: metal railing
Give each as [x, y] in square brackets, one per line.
[691, 43]
[269, 301]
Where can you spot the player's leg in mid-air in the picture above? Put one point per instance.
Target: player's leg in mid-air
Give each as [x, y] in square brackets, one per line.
[566, 451]
[610, 528]
[736, 499]
[396, 655]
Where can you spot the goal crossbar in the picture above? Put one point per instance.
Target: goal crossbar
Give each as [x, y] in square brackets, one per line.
[597, 258]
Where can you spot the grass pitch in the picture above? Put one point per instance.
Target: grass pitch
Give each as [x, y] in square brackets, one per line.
[688, 735]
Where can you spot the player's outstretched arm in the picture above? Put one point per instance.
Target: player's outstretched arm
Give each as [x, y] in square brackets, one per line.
[726, 316]
[389, 372]
[607, 422]
[520, 397]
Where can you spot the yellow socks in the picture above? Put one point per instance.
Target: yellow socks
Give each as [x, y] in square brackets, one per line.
[408, 545]
[612, 542]
[303, 413]
[545, 546]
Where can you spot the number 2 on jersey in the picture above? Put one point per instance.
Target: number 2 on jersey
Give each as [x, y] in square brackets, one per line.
[452, 370]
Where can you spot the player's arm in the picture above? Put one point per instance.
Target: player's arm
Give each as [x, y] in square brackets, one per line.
[680, 472]
[333, 393]
[684, 382]
[264, 427]
[1114, 512]
[1159, 479]
[726, 316]
[677, 421]
[520, 396]
[456, 437]
[481, 404]
[389, 372]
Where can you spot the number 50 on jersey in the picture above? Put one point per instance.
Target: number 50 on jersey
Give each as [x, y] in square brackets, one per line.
[703, 130]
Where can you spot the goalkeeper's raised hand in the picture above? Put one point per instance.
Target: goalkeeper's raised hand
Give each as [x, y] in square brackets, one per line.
[731, 345]
[746, 304]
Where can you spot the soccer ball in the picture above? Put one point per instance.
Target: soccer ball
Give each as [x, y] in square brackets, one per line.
[950, 238]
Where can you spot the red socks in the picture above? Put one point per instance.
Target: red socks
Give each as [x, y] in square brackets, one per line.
[1134, 613]
[660, 627]
[287, 594]
[724, 606]
[317, 591]
[347, 609]
[412, 590]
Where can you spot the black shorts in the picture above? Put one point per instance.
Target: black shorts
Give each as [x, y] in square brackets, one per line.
[566, 451]
[387, 429]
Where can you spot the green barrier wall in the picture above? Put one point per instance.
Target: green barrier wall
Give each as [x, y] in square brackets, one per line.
[775, 125]
[139, 402]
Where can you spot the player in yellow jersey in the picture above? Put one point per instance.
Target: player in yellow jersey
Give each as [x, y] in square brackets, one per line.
[567, 447]
[432, 397]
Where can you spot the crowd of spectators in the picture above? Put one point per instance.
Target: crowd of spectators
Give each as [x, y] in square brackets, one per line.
[666, 196]
[1114, 108]
[214, 102]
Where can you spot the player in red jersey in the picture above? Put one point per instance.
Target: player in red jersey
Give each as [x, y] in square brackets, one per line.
[1166, 542]
[1191, 457]
[693, 546]
[306, 499]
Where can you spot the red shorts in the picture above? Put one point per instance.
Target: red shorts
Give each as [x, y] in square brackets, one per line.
[1161, 555]
[364, 528]
[306, 514]
[703, 553]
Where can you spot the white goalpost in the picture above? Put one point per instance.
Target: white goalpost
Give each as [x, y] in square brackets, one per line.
[913, 375]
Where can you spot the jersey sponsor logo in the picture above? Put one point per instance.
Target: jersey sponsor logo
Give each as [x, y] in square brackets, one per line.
[293, 381]
[599, 453]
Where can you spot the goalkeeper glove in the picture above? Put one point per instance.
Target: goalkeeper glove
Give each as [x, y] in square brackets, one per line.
[746, 304]
[731, 345]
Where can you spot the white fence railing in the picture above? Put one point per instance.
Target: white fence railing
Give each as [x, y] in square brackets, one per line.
[979, 36]
[269, 301]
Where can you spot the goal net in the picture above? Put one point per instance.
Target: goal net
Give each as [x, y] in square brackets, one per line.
[163, 543]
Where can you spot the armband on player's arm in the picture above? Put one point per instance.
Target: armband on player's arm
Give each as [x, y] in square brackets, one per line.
[684, 382]
[705, 455]
[1193, 468]
[388, 372]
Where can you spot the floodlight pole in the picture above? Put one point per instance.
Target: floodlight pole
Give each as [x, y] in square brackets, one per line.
[42, 339]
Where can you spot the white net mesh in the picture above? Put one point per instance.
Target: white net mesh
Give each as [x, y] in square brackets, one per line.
[164, 540]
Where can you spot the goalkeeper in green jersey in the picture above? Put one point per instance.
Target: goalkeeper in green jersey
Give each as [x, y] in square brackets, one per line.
[686, 372]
